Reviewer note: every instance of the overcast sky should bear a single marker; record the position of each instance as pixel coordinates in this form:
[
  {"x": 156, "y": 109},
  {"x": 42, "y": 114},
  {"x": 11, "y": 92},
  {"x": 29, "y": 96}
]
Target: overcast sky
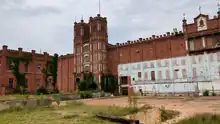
[{"x": 47, "y": 25}]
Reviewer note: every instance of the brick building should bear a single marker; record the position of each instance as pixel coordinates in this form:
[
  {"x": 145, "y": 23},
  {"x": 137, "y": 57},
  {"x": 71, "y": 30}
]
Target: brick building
[
  {"x": 32, "y": 68},
  {"x": 93, "y": 53},
  {"x": 148, "y": 59}
]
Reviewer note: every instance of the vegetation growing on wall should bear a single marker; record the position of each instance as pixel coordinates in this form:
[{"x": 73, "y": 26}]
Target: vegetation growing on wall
[
  {"x": 54, "y": 69},
  {"x": 14, "y": 63},
  {"x": 109, "y": 83},
  {"x": 88, "y": 83},
  {"x": 51, "y": 70},
  {"x": 46, "y": 74}
]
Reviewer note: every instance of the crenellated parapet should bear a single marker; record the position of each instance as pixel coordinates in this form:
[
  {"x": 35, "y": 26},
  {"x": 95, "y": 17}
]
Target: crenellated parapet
[
  {"x": 149, "y": 39},
  {"x": 20, "y": 52},
  {"x": 67, "y": 56},
  {"x": 98, "y": 17}
]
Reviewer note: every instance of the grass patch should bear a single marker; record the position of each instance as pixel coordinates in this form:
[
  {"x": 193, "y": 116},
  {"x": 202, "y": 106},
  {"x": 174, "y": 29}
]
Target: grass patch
[
  {"x": 202, "y": 119},
  {"x": 167, "y": 114},
  {"x": 75, "y": 112},
  {"x": 20, "y": 97}
]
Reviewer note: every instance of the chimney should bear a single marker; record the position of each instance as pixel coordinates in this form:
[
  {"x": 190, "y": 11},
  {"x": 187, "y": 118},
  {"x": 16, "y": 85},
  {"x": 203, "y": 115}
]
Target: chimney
[
  {"x": 33, "y": 52},
  {"x": 20, "y": 49},
  {"x": 5, "y": 47}
]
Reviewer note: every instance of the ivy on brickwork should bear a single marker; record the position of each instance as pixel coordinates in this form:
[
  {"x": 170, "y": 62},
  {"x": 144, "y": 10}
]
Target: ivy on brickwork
[
  {"x": 54, "y": 63},
  {"x": 109, "y": 83},
  {"x": 47, "y": 73},
  {"x": 51, "y": 70},
  {"x": 14, "y": 63}
]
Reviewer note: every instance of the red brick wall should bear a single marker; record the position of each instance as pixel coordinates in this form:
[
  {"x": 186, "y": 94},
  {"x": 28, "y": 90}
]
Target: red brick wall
[
  {"x": 65, "y": 79},
  {"x": 160, "y": 48},
  {"x": 212, "y": 23},
  {"x": 32, "y": 74}
]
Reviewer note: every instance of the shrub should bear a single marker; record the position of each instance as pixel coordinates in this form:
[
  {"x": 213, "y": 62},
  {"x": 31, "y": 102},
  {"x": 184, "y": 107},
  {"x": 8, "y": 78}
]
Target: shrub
[
  {"x": 213, "y": 94},
  {"x": 82, "y": 86},
  {"x": 56, "y": 91},
  {"x": 42, "y": 90},
  {"x": 85, "y": 94},
  {"x": 206, "y": 93}
]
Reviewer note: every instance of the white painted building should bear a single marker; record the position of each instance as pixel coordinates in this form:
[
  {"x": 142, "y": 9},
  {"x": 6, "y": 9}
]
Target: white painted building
[{"x": 182, "y": 74}]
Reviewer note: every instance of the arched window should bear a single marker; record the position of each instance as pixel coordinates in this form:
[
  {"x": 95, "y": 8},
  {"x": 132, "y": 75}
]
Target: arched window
[
  {"x": 86, "y": 68},
  {"x": 99, "y": 26},
  {"x": 81, "y": 31},
  {"x": 201, "y": 23},
  {"x": 86, "y": 58}
]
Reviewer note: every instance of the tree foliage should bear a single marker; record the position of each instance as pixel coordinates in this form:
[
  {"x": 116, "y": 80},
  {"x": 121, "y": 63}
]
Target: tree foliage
[
  {"x": 109, "y": 83},
  {"x": 88, "y": 83}
]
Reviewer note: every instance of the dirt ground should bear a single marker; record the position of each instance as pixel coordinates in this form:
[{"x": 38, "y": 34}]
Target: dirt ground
[{"x": 187, "y": 106}]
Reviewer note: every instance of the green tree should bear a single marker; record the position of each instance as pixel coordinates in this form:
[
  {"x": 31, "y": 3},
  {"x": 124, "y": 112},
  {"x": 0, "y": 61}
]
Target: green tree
[
  {"x": 109, "y": 83},
  {"x": 88, "y": 83}
]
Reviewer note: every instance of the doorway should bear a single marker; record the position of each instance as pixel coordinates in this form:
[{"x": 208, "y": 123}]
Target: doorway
[
  {"x": 10, "y": 83},
  {"x": 124, "y": 80},
  {"x": 77, "y": 80}
]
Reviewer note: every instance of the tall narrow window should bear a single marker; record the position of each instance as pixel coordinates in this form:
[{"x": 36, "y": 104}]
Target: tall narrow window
[
  {"x": 26, "y": 83},
  {"x": 152, "y": 65},
  {"x": 159, "y": 63},
  {"x": 104, "y": 67},
  {"x": 183, "y": 62},
  {"x": 10, "y": 83},
  {"x": 166, "y": 63},
  {"x": 211, "y": 58},
  {"x": 26, "y": 67},
  {"x": 152, "y": 75},
  {"x": 81, "y": 31},
  {"x": 86, "y": 58},
  {"x": 145, "y": 76},
  {"x": 175, "y": 74},
  {"x": 95, "y": 45},
  {"x": 194, "y": 59},
  {"x": 191, "y": 45},
  {"x": 139, "y": 74},
  {"x": 78, "y": 50},
  {"x": 184, "y": 74},
  {"x": 167, "y": 74},
  {"x": 98, "y": 26},
  {"x": 39, "y": 68},
  {"x": 11, "y": 65},
  {"x": 86, "y": 68},
  {"x": 86, "y": 48},
  {"x": 160, "y": 75},
  {"x": 194, "y": 73},
  {"x": 175, "y": 63}
]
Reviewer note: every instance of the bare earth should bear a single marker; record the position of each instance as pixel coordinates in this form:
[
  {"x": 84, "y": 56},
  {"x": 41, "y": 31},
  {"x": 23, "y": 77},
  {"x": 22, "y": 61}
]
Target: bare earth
[{"x": 187, "y": 106}]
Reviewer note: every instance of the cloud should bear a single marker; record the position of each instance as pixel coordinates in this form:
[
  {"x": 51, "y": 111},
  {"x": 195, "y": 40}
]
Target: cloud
[{"x": 47, "y": 25}]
